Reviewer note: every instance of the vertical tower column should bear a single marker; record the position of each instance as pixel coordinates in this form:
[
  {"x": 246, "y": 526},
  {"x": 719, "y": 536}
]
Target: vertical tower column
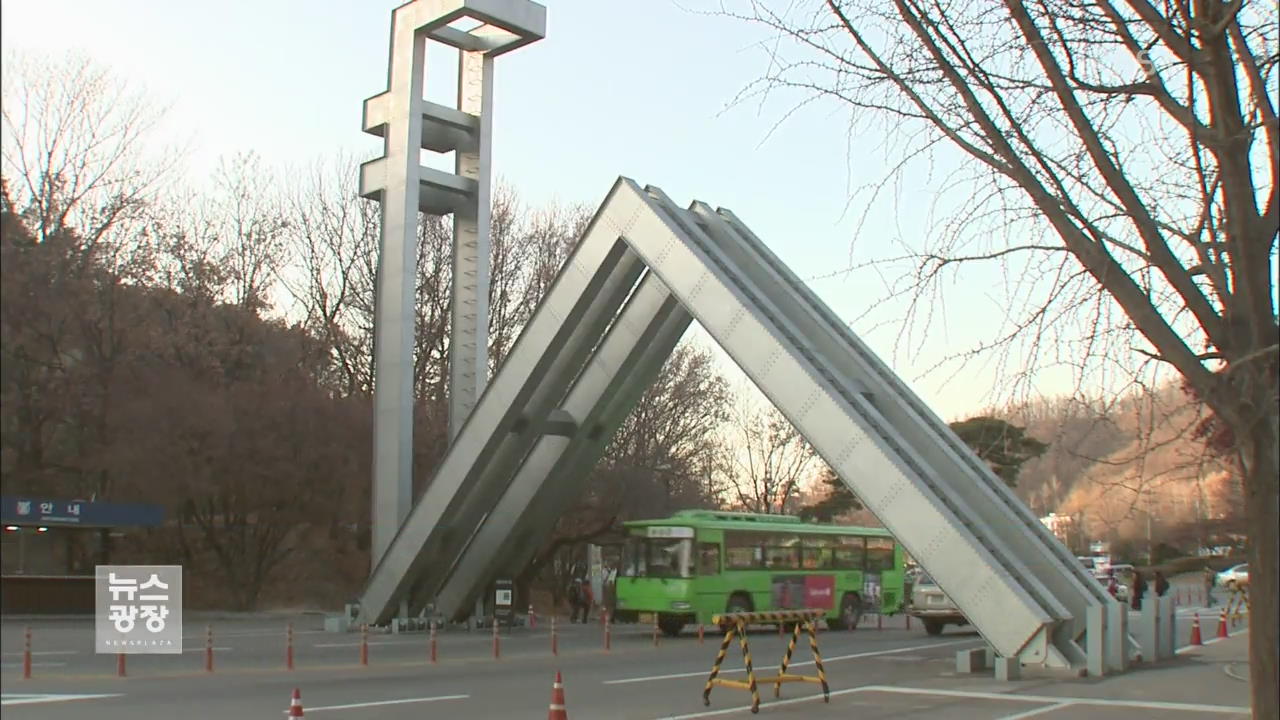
[
  {"x": 408, "y": 124},
  {"x": 395, "y": 296},
  {"x": 469, "y": 338}
]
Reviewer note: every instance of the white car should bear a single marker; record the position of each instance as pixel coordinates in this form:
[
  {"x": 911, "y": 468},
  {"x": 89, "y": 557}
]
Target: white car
[
  {"x": 1122, "y": 590},
  {"x": 932, "y": 606},
  {"x": 1234, "y": 577}
]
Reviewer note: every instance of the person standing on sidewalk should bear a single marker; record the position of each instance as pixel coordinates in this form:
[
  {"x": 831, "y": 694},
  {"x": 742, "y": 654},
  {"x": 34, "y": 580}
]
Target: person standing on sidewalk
[
  {"x": 574, "y": 596},
  {"x": 1162, "y": 585},
  {"x": 588, "y": 599},
  {"x": 1139, "y": 589}
]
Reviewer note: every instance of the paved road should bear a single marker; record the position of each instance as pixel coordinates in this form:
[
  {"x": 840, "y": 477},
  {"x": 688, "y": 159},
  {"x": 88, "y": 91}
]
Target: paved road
[{"x": 892, "y": 672}]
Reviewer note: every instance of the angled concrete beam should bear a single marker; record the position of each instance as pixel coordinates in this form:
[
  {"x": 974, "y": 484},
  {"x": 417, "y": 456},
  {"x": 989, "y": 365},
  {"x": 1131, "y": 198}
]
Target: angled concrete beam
[
  {"x": 624, "y": 365},
  {"x": 582, "y": 300}
]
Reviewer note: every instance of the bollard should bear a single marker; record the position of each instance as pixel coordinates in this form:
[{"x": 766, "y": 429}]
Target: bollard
[
  {"x": 555, "y": 649},
  {"x": 364, "y": 644},
  {"x": 288, "y": 647},
  {"x": 655, "y": 629},
  {"x": 699, "y": 633},
  {"x": 26, "y": 653},
  {"x": 908, "y": 622},
  {"x": 879, "y": 621},
  {"x": 433, "y": 642},
  {"x": 533, "y": 619},
  {"x": 120, "y": 670},
  {"x": 608, "y": 631},
  {"x": 208, "y": 648},
  {"x": 497, "y": 653}
]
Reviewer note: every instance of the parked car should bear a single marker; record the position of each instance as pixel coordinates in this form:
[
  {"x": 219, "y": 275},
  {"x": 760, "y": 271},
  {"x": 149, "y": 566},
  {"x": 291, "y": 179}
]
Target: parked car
[
  {"x": 1124, "y": 572},
  {"x": 933, "y": 607},
  {"x": 1122, "y": 590},
  {"x": 1234, "y": 577}
]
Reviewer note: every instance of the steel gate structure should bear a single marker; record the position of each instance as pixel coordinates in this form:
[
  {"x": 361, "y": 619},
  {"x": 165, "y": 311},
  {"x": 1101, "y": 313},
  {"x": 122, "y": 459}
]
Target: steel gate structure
[{"x": 642, "y": 272}]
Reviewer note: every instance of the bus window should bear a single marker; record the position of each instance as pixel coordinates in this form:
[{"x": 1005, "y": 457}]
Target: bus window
[
  {"x": 708, "y": 559},
  {"x": 658, "y": 557},
  {"x": 668, "y": 557},
  {"x": 815, "y": 552},
  {"x": 879, "y": 554},
  {"x": 850, "y": 552},
  {"x": 783, "y": 558},
  {"x": 743, "y": 550}
]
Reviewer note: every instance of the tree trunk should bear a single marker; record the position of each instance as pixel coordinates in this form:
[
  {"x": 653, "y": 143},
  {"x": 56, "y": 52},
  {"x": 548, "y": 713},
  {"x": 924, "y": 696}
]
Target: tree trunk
[{"x": 1263, "y": 505}]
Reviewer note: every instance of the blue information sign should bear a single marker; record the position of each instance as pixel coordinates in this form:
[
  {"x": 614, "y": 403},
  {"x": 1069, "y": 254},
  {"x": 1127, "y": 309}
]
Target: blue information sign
[{"x": 48, "y": 511}]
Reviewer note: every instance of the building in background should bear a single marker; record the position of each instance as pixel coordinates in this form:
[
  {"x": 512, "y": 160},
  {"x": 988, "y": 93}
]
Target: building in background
[{"x": 51, "y": 546}]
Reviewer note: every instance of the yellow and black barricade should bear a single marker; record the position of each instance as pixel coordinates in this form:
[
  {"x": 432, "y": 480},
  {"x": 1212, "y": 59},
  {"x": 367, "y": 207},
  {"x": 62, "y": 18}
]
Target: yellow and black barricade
[
  {"x": 1239, "y": 602},
  {"x": 737, "y": 624}
]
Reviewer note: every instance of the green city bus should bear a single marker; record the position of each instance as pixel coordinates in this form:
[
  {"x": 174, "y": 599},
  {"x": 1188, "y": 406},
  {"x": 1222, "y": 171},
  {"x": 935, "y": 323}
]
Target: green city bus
[{"x": 696, "y": 563}]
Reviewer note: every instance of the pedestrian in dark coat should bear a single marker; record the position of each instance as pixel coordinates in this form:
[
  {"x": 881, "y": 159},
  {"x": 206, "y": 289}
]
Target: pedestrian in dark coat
[
  {"x": 1139, "y": 589},
  {"x": 1162, "y": 585}
]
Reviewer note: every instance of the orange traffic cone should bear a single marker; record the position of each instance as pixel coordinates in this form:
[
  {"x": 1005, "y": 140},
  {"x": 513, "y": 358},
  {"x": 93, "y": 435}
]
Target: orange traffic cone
[
  {"x": 1195, "y": 630},
  {"x": 295, "y": 705},
  {"x": 557, "y": 711},
  {"x": 1222, "y": 625}
]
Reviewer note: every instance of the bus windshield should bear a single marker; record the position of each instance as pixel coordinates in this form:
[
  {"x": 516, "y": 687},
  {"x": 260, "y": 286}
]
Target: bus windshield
[{"x": 658, "y": 558}]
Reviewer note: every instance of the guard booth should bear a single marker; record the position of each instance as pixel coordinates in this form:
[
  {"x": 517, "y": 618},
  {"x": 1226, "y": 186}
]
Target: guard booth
[
  {"x": 50, "y": 546},
  {"x": 504, "y": 602}
]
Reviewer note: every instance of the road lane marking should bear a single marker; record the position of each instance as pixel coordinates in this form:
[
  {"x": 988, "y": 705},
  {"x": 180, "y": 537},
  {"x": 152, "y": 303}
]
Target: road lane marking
[
  {"x": 378, "y": 703},
  {"x": 1038, "y": 711},
  {"x": 266, "y": 632},
  {"x": 37, "y": 699},
  {"x": 875, "y": 653},
  {"x": 1102, "y": 702},
  {"x": 37, "y": 653},
  {"x": 10, "y": 666},
  {"x": 357, "y": 644}
]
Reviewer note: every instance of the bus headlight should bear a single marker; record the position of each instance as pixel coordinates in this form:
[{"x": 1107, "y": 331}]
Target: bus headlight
[{"x": 681, "y": 605}]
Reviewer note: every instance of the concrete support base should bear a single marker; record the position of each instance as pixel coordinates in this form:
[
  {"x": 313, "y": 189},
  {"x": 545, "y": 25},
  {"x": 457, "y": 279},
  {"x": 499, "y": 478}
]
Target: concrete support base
[
  {"x": 971, "y": 661},
  {"x": 1008, "y": 669}
]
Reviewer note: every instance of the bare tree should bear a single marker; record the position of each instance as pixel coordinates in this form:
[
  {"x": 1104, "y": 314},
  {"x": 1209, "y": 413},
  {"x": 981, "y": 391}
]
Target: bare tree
[
  {"x": 78, "y": 174},
  {"x": 1123, "y": 154},
  {"x": 249, "y": 223},
  {"x": 765, "y": 458},
  {"x": 658, "y": 461},
  {"x": 75, "y": 147},
  {"x": 333, "y": 240}
]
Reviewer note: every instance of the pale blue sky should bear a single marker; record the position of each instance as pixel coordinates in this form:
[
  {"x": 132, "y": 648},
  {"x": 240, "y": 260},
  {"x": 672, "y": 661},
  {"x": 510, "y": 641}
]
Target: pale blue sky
[{"x": 634, "y": 88}]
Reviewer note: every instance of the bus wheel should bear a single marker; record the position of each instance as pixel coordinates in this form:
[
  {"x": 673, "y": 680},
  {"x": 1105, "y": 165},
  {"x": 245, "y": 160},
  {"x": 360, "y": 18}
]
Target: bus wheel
[
  {"x": 850, "y": 613},
  {"x": 933, "y": 626},
  {"x": 670, "y": 625}
]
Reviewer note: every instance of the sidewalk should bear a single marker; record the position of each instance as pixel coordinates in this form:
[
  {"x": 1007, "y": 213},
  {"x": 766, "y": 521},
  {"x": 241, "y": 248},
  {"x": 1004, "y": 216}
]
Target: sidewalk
[{"x": 1200, "y": 682}]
